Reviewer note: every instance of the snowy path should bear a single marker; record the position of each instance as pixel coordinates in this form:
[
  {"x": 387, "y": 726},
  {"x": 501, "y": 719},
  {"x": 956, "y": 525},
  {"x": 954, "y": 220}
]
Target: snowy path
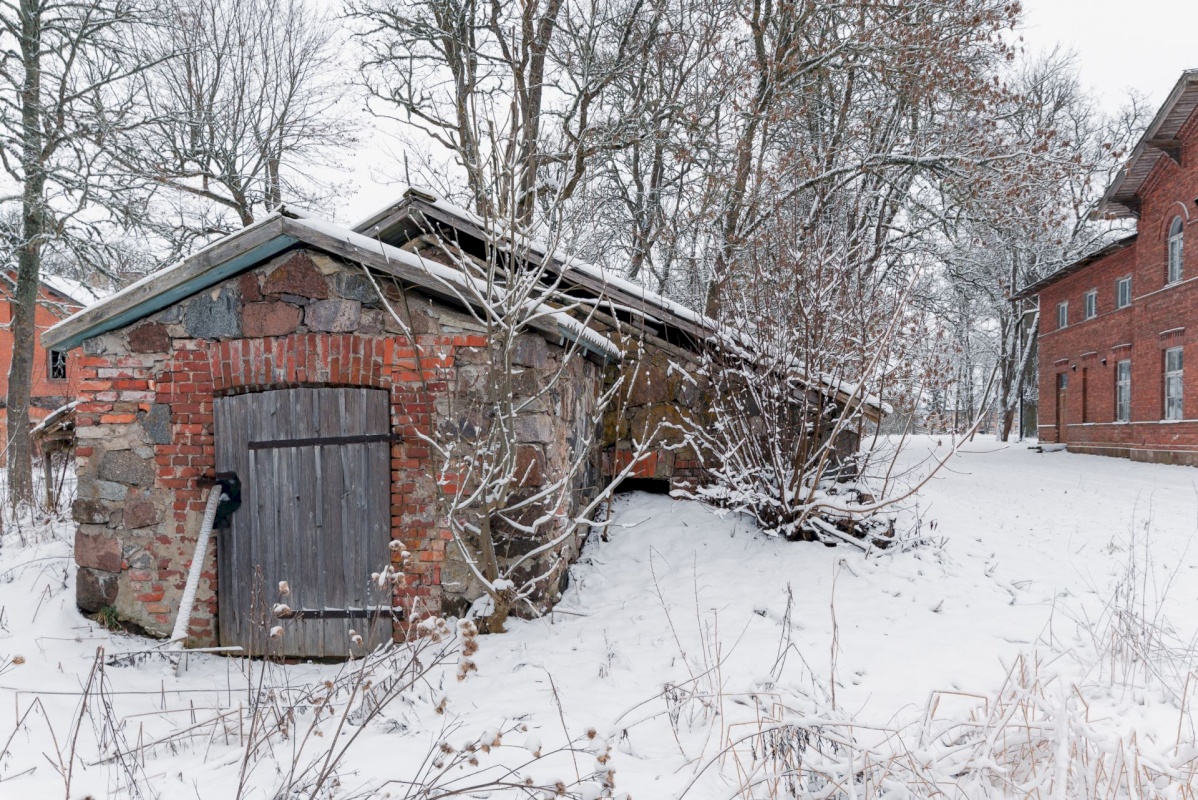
[{"x": 1030, "y": 541}]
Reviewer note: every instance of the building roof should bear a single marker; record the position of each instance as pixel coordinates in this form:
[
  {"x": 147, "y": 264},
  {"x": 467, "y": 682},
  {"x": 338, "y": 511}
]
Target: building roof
[
  {"x": 267, "y": 238},
  {"x": 1159, "y": 141},
  {"x": 1069, "y": 269},
  {"x": 376, "y": 243},
  {"x": 64, "y": 292},
  {"x": 420, "y": 211}
]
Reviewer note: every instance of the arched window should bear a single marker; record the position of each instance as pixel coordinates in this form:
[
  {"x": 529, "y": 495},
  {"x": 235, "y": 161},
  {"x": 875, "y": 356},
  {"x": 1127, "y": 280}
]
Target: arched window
[{"x": 1175, "y": 250}]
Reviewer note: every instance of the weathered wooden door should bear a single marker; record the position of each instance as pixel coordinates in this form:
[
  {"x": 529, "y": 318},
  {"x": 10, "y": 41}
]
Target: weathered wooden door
[{"x": 315, "y": 471}]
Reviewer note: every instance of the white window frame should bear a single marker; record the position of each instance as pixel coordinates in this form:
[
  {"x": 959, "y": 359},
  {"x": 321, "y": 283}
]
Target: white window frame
[
  {"x": 1062, "y": 314},
  {"x": 1174, "y": 383},
  {"x": 1123, "y": 390},
  {"x": 1176, "y": 250},
  {"x": 1091, "y": 305},
  {"x": 1123, "y": 292}
]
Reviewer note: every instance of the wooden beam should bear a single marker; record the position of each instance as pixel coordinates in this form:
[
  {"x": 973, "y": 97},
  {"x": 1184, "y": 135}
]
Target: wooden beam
[
  {"x": 211, "y": 265},
  {"x": 1170, "y": 147}
]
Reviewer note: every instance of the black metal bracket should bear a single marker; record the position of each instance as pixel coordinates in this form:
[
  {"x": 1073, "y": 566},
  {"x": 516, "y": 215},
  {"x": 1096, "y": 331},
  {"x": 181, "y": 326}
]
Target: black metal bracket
[
  {"x": 230, "y": 487},
  {"x": 373, "y": 612},
  {"x": 320, "y": 441}
]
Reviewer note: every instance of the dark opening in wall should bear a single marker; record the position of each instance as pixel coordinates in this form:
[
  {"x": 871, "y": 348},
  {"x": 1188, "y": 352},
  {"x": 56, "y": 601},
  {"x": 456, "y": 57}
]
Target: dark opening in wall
[{"x": 650, "y": 485}]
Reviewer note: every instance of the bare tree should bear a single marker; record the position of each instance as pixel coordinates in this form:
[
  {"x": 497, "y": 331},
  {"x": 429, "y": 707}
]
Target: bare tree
[
  {"x": 518, "y": 445},
  {"x": 66, "y": 87},
  {"x": 240, "y": 114},
  {"x": 1025, "y": 217},
  {"x": 503, "y": 88}
]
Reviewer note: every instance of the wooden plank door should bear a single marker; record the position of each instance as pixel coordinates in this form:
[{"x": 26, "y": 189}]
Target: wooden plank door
[{"x": 315, "y": 472}]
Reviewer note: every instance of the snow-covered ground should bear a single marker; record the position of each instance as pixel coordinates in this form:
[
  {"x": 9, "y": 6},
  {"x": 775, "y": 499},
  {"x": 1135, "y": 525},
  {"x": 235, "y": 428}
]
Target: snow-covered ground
[{"x": 705, "y": 656}]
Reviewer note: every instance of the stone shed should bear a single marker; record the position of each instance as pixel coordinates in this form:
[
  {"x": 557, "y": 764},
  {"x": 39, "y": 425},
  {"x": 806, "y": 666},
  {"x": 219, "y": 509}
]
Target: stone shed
[{"x": 271, "y": 356}]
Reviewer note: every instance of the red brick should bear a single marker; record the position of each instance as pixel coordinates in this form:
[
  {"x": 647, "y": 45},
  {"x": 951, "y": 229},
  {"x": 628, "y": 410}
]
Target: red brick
[{"x": 1080, "y": 349}]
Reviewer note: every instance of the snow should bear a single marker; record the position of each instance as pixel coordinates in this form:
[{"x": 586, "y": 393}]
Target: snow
[
  {"x": 75, "y": 290},
  {"x": 460, "y": 284},
  {"x": 671, "y": 638}
]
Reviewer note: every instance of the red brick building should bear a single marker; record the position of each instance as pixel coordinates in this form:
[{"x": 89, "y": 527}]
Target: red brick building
[
  {"x": 55, "y": 377},
  {"x": 1118, "y": 328}
]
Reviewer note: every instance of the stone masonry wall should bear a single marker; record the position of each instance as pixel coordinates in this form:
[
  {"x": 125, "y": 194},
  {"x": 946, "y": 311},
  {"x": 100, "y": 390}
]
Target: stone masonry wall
[
  {"x": 553, "y": 428},
  {"x": 665, "y": 399},
  {"x": 145, "y": 455}
]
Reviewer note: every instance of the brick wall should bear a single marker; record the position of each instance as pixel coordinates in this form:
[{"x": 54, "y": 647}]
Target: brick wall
[
  {"x": 146, "y": 441},
  {"x": 47, "y": 394},
  {"x": 146, "y": 454},
  {"x": 1161, "y": 316}
]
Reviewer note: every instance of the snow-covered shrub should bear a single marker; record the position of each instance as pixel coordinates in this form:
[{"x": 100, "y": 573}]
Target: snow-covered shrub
[{"x": 809, "y": 337}]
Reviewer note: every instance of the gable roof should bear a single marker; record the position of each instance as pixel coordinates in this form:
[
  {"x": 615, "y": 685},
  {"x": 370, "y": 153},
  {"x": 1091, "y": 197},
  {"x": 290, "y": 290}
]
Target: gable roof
[
  {"x": 1064, "y": 272},
  {"x": 1159, "y": 141},
  {"x": 267, "y": 238},
  {"x": 421, "y": 212},
  {"x": 375, "y": 243}
]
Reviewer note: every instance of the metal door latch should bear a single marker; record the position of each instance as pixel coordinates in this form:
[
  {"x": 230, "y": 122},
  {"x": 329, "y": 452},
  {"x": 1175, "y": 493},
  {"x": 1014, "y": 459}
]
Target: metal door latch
[{"x": 230, "y": 486}]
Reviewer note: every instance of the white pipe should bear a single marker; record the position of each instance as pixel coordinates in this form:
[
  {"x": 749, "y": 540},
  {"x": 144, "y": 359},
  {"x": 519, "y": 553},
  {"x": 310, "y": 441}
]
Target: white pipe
[{"x": 179, "y": 635}]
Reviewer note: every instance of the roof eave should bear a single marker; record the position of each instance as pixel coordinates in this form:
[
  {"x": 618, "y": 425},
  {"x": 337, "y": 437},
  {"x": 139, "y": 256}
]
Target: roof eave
[
  {"x": 1033, "y": 289},
  {"x": 228, "y": 257},
  {"x": 1115, "y": 205}
]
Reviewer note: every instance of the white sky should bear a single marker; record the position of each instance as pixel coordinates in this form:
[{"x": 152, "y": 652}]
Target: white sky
[{"x": 1142, "y": 45}]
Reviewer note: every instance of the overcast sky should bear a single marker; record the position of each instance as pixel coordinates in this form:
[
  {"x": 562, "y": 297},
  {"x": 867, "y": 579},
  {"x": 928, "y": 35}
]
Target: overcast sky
[
  {"x": 1143, "y": 44},
  {"x": 1120, "y": 46}
]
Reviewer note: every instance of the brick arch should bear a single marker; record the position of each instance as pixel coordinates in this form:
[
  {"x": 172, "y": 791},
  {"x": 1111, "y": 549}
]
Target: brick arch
[
  {"x": 1170, "y": 213},
  {"x": 349, "y": 360},
  {"x": 311, "y": 359}
]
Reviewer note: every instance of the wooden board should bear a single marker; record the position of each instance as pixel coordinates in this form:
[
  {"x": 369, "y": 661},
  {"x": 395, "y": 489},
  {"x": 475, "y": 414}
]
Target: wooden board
[{"x": 315, "y": 514}]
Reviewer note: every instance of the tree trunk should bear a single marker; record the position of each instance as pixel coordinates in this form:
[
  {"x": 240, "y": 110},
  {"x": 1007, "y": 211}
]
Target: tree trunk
[{"x": 29, "y": 258}]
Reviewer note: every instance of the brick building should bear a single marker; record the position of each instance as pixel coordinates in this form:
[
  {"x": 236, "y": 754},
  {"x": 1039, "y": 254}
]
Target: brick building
[
  {"x": 272, "y": 354},
  {"x": 1117, "y": 328},
  {"x": 55, "y": 374}
]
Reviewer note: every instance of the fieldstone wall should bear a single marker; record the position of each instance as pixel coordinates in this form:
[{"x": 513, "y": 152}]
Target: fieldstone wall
[
  {"x": 145, "y": 454},
  {"x": 559, "y": 394},
  {"x": 146, "y": 457},
  {"x": 665, "y": 397}
]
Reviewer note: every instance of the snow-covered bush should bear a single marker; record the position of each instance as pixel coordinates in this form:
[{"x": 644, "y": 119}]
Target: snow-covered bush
[{"x": 809, "y": 339}]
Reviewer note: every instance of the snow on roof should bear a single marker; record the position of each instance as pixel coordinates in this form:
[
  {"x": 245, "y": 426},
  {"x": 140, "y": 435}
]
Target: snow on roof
[
  {"x": 75, "y": 290},
  {"x": 743, "y": 341},
  {"x": 459, "y": 283}
]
